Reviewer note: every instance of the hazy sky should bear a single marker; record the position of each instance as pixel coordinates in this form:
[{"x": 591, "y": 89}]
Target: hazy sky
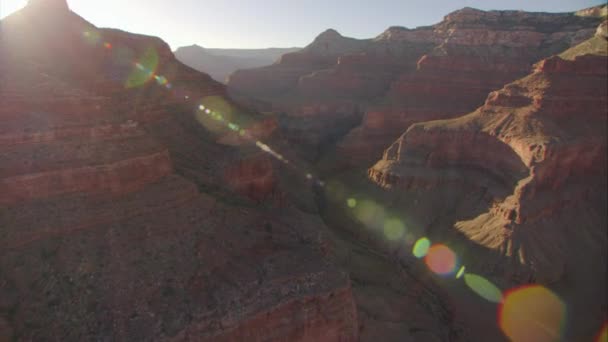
[{"x": 277, "y": 23}]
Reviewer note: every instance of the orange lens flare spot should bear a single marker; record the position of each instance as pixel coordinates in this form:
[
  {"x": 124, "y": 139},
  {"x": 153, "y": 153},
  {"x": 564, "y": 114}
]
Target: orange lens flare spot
[
  {"x": 603, "y": 334},
  {"x": 107, "y": 45},
  {"x": 532, "y": 313},
  {"x": 441, "y": 260}
]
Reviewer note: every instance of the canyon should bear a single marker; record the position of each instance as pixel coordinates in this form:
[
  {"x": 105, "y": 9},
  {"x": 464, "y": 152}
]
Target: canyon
[
  {"x": 536, "y": 152},
  {"x": 120, "y": 212},
  {"x": 378, "y": 87},
  {"x": 221, "y": 63},
  {"x": 143, "y": 200}
]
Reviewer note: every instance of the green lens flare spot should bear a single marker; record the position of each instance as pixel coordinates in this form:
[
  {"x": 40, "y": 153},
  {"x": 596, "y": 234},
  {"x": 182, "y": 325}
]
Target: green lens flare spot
[
  {"x": 144, "y": 69},
  {"x": 351, "y": 202},
  {"x": 421, "y": 248},
  {"x": 460, "y": 272},
  {"x": 394, "y": 229},
  {"x": 483, "y": 287}
]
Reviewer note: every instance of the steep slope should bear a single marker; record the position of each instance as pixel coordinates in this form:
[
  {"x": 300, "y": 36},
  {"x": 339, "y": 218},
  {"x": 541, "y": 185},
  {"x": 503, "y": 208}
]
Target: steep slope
[
  {"x": 479, "y": 52},
  {"x": 536, "y": 152},
  {"x": 321, "y": 53},
  {"x": 405, "y": 75},
  {"x": 221, "y": 63},
  {"x": 117, "y": 216},
  {"x": 324, "y": 88}
]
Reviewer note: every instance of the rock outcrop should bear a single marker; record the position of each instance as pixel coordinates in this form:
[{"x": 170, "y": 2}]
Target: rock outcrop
[
  {"x": 405, "y": 75},
  {"x": 536, "y": 150},
  {"x": 118, "y": 215},
  {"x": 477, "y": 52}
]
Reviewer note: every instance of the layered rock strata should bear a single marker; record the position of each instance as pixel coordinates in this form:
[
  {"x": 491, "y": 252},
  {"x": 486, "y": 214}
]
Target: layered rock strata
[
  {"x": 405, "y": 76},
  {"x": 117, "y": 220},
  {"x": 536, "y": 150}
]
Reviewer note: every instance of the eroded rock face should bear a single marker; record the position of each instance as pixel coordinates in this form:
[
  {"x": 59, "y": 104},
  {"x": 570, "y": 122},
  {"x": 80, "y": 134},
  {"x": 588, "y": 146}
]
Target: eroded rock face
[
  {"x": 405, "y": 75},
  {"x": 118, "y": 220},
  {"x": 478, "y": 52},
  {"x": 537, "y": 150}
]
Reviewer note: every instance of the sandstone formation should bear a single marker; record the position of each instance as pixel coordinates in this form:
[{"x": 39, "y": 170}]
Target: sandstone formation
[
  {"x": 221, "y": 63},
  {"x": 478, "y": 52},
  {"x": 407, "y": 75},
  {"x": 536, "y": 152},
  {"x": 117, "y": 212}
]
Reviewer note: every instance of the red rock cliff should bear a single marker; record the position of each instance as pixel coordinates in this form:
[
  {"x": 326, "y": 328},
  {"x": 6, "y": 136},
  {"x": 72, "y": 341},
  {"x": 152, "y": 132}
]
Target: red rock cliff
[
  {"x": 537, "y": 150},
  {"x": 105, "y": 231}
]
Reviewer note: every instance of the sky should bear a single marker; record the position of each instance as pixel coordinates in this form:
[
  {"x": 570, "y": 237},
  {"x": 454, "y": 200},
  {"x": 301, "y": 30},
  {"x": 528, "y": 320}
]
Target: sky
[{"x": 278, "y": 23}]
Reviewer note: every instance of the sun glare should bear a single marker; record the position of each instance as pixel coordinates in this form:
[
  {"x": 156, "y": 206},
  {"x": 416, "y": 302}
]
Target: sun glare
[{"x": 9, "y": 6}]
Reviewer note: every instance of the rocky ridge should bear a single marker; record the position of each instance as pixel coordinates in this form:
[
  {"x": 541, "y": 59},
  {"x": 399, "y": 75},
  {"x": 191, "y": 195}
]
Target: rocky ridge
[
  {"x": 115, "y": 219},
  {"x": 396, "y": 78},
  {"x": 536, "y": 151}
]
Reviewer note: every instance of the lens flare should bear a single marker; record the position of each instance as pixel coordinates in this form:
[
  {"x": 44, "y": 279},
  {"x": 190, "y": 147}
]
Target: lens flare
[
  {"x": 370, "y": 214},
  {"x": 532, "y": 314},
  {"x": 92, "y": 37},
  {"x": 421, "y": 248},
  {"x": 603, "y": 335},
  {"x": 460, "y": 272},
  {"x": 483, "y": 287},
  {"x": 161, "y": 80},
  {"x": 351, "y": 202},
  {"x": 394, "y": 229},
  {"x": 144, "y": 70},
  {"x": 441, "y": 260}
]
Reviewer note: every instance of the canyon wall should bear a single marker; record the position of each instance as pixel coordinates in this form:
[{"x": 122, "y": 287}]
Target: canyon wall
[
  {"x": 120, "y": 210},
  {"x": 536, "y": 150},
  {"x": 405, "y": 76}
]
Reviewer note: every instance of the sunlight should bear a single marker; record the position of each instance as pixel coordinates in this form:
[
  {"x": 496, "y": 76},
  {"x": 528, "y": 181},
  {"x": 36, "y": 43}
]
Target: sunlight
[{"x": 8, "y": 7}]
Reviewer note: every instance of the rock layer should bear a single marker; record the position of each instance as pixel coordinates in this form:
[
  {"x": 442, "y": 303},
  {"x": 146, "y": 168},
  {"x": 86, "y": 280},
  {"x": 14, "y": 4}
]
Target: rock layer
[
  {"x": 478, "y": 52},
  {"x": 118, "y": 222},
  {"x": 405, "y": 76},
  {"x": 537, "y": 149}
]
